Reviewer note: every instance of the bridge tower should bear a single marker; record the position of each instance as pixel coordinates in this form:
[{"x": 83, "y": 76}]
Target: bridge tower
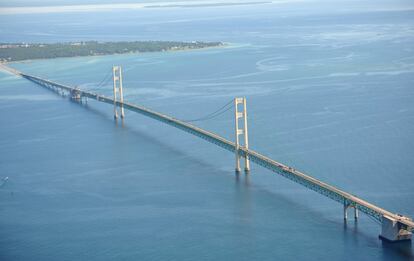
[
  {"x": 241, "y": 131},
  {"x": 117, "y": 78}
]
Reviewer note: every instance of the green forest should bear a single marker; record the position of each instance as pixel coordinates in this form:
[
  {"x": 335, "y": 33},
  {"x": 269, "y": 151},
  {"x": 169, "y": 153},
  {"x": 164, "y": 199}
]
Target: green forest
[{"x": 22, "y": 51}]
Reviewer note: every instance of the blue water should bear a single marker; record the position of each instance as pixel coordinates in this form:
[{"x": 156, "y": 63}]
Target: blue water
[{"x": 329, "y": 92}]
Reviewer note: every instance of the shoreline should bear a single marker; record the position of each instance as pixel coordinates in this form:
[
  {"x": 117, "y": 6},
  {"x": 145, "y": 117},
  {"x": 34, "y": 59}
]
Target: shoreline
[{"x": 223, "y": 45}]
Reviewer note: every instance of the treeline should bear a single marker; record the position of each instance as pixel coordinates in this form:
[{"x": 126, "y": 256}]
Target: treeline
[{"x": 19, "y": 51}]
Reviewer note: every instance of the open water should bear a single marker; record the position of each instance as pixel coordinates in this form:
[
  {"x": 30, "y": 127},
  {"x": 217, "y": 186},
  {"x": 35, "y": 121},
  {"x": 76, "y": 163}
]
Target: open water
[{"x": 329, "y": 90}]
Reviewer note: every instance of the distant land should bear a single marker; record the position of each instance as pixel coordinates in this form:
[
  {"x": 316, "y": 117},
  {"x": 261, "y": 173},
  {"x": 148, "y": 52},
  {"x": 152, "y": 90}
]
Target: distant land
[
  {"x": 10, "y": 52},
  {"x": 73, "y": 6}
]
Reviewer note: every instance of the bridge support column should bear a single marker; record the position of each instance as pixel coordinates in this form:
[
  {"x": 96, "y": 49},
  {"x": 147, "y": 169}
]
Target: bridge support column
[
  {"x": 394, "y": 231},
  {"x": 346, "y": 207},
  {"x": 346, "y": 212},
  {"x": 117, "y": 79},
  {"x": 241, "y": 131}
]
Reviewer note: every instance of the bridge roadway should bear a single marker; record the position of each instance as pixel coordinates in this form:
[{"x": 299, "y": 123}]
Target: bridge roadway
[{"x": 327, "y": 190}]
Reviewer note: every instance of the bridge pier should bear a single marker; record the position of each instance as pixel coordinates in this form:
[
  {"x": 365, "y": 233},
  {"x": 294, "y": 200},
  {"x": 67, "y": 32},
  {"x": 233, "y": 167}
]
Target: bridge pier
[
  {"x": 241, "y": 131},
  {"x": 346, "y": 207},
  {"x": 394, "y": 231},
  {"x": 75, "y": 95}
]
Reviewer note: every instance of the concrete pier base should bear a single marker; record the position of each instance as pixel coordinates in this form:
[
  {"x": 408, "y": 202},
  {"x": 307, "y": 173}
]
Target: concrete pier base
[{"x": 394, "y": 231}]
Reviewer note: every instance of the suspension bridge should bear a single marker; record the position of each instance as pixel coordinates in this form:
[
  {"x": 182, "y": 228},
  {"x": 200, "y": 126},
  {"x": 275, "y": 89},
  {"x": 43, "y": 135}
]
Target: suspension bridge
[{"x": 395, "y": 227}]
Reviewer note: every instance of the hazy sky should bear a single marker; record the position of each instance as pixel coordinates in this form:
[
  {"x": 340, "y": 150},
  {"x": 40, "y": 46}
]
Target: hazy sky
[
  {"x": 10, "y": 3},
  {"x": 60, "y": 6},
  {"x": 15, "y": 3}
]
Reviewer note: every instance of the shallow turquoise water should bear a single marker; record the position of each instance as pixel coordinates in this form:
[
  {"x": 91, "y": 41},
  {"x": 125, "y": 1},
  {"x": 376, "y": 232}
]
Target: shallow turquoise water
[{"x": 329, "y": 94}]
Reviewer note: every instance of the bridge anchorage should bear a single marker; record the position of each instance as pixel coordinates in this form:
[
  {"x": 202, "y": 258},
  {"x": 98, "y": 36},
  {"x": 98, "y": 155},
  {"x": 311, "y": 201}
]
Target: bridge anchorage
[
  {"x": 395, "y": 227},
  {"x": 393, "y": 230}
]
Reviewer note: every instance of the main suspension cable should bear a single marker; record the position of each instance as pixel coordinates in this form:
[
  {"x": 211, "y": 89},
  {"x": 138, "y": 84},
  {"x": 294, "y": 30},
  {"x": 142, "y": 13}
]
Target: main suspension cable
[
  {"x": 103, "y": 81},
  {"x": 226, "y": 107}
]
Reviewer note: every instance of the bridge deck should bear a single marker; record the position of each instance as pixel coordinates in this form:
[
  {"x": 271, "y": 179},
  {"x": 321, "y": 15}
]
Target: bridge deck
[{"x": 279, "y": 168}]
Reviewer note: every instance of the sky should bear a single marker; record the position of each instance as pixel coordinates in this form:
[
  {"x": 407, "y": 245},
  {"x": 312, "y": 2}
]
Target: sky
[
  {"x": 21, "y": 3},
  {"x": 13, "y": 7},
  {"x": 26, "y": 3}
]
